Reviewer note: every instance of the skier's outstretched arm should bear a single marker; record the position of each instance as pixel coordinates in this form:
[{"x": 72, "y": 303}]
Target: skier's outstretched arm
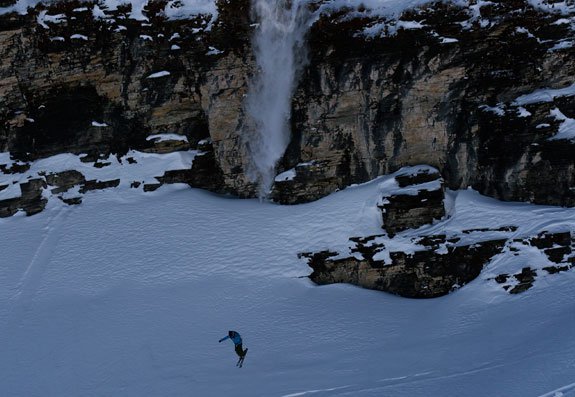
[{"x": 224, "y": 338}]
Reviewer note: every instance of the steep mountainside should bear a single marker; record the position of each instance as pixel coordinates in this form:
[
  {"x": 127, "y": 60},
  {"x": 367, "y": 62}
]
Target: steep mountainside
[{"x": 442, "y": 84}]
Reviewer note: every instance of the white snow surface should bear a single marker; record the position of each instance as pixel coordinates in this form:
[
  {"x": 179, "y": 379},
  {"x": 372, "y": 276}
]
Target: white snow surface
[
  {"x": 167, "y": 137},
  {"x": 99, "y": 124},
  {"x": 177, "y": 9},
  {"x": 563, "y": 44},
  {"x": 522, "y": 112},
  {"x": 567, "y": 127},
  {"x": 128, "y": 294},
  {"x": 44, "y": 17},
  {"x": 79, "y": 37},
  {"x": 157, "y": 75},
  {"x": 498, "y": 110},
  {"x": 544, "y": 95},
  {"x": 286, "y": 175}
]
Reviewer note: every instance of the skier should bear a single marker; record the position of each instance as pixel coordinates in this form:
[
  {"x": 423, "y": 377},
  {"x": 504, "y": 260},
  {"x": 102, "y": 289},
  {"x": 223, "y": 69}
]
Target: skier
[{"x": 237, "y": 339}]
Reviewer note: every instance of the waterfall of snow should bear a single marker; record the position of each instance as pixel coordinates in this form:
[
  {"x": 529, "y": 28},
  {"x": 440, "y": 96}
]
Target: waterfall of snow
[{"x": 280, "y": 54}]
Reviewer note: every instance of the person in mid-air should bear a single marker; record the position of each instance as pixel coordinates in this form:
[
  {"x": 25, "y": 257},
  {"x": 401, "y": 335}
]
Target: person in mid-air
[{"x": 237, "y": 339}]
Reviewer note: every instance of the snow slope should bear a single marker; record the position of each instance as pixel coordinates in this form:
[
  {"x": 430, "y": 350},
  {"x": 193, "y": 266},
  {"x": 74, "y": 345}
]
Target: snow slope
[{"x": 128, "y": 294}]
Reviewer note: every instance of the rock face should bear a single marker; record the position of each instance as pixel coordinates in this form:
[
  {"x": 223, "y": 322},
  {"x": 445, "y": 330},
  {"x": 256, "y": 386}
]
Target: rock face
[
  {"x": 421, "y": 204},
  {"x": 430, "y": 265},
  {"x": 64, "y": 181},
  {"x": 425, "y": 274},
  {"x": 443, "y": 96},
  {"x": 31, "y": 200},
  {"x": 446, "y": 94},
  {"x": 557, "y": 247},
  {"x": 98, "y": 86},
  {"x": 439, "y": 265}
]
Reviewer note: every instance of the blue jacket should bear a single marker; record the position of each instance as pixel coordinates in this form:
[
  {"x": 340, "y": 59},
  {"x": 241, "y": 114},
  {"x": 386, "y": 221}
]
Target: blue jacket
[{"x": 236, "y": 338}]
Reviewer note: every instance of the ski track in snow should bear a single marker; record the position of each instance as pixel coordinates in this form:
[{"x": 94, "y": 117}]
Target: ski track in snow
[
  {"x": 42, "y": 255},
  {"x": 423, "y": 377},
  {"x": 128, "y": 294},
  {"x": 322, "y": 391},
  {"x": 560, "y": 392},
  {"x": 30, "y": 280}
]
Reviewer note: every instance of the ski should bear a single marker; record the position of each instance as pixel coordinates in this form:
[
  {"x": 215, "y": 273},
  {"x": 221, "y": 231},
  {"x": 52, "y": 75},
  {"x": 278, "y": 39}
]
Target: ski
[{"x": 240, "y": 362}]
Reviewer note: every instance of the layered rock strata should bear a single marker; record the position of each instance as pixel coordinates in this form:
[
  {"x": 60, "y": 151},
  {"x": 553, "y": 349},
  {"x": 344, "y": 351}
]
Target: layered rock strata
[
  {"x": 442, "y": 85},
  {"x": 417, "y": 202},
  {"x": 73, "y": 83},
  {"x": 440, "y": 265},
  {"x": 444, "y": 94},
  {"x": 424, "y": 274}
]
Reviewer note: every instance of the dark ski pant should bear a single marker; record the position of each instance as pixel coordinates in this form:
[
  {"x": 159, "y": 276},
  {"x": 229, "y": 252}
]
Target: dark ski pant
[{"x": 239, "y": 350}]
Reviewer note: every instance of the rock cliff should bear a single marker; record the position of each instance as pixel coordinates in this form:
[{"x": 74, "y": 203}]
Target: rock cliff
[
  {"x": 440, "y": 85},
  {"x": 444, "y": 90},
  {"x": 74, "y": 83}
]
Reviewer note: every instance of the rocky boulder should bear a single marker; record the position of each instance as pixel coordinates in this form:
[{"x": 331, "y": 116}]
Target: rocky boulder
[
  {"x": 31, "y": 201},
  {"x": 418, "y": 201}
]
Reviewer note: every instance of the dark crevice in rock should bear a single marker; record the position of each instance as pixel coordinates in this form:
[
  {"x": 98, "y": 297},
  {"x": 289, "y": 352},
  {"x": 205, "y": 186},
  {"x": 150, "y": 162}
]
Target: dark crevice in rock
[
  {"x": 71, "y": 201},
  {"x": 557, "y": 269},
  {"x": 486, "y": 229}
]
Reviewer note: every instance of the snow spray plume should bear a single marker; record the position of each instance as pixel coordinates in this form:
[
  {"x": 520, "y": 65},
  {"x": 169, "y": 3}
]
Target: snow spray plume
[{"x": 280, "y": 55}]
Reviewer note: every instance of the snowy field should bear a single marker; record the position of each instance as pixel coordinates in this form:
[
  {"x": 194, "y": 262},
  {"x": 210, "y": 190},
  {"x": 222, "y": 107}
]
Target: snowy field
[{"x": 128, "y": 294}]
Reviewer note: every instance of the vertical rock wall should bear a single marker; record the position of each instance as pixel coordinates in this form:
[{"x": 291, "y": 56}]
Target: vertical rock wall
[{"x": 442, "y": 94}]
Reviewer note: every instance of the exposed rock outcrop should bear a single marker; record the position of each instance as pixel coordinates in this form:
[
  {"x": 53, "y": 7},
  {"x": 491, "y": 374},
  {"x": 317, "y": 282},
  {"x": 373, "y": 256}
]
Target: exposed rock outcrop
[
  {"x": 444, "y": 95},
  {"x": 419, "y": 201},
  {"x": 439, "y": 265},
  {"x": 424, "y": 274},
  {"x": 557, "y": 247},
  {"x": 64, "y": 181},
  {"x": 31, "y": 200}
]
